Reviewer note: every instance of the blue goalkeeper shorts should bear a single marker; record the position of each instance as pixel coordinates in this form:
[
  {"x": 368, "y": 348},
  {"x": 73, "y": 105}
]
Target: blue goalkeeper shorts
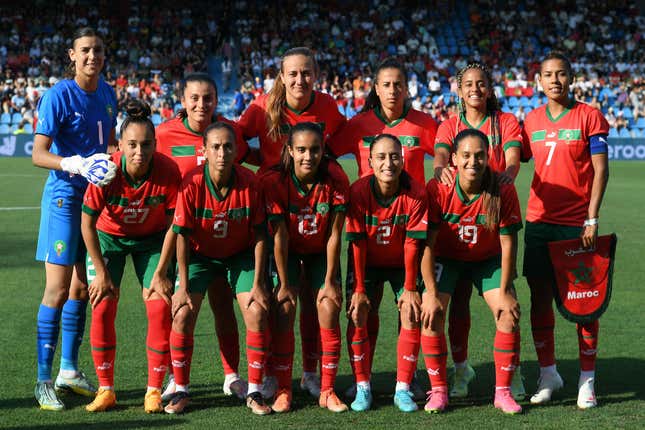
[{"x": 59, "y": 237}]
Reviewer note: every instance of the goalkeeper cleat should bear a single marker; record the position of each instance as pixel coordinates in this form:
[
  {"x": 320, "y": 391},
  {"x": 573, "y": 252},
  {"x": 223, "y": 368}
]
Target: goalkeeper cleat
[
  {"x": 463, "y": 376},
  {"x": 547, "y": 384},
  {"x": 105, "y": 399},
  {"x": 78, "y": 384},
  {"x": 47, "y": 397}
]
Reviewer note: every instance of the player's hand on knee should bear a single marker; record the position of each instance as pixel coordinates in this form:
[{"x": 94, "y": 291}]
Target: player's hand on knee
[
  {"x": 259, "y": 296},
  {"x": 161, "y": 285},
  {"x": 100, "y": 288},
  {"x": 331, "y": 291},
  {"x": 410, "y": 301},
  {"x": 432, "y": 312},
  {"x": 359, "y": 307},
  {"x": 180, "y": 299}
]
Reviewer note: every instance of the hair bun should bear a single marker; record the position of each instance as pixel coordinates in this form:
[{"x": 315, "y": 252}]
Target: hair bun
[{"x": 136, "y": 109}]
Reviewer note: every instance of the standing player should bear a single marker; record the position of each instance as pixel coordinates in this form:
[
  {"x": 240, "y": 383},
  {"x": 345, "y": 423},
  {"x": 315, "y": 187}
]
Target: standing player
[
  {"x": 387, "y": 110},
  {"x": 221, "y": 244},
  {"x": 386, "y": 221},
  {"x": 306, "y": 199},
  {"x": 269, "y": 118},
  {"x": 129, "y": 216},
  {"x": 568, "y": 141},
  {"x": 76, "y": 120},
  {"x": 473, "y": 230},
  {"x": 182, "y": 139},
  {"x": 478, "y": 109}
]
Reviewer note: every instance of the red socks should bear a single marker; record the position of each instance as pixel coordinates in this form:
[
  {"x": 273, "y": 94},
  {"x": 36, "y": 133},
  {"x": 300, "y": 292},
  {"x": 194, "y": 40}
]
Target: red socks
[
  {"x": 229, "y": 351},
  {"x": 542, "y": 327},
  {"x": 359, "y": 352},
  {"x": 330, "y": 356},
  {"x": 407, "y": 352},
  {"x": 458, "y": 330},
  {"x": 587, "y": 344},
  {"x": 282, "y": 358},
  {"x": 310, "y": 341},
  {"x": 435, "y": 354},
  {"x": 181, "y": 352},
  {"x": 256, "y": 349},
  {"x": 103, "y": 341},
  {"x": 506, "y": 357},
  {"x": 373, "y": 325},
  {"x": 157, "y": 344}
]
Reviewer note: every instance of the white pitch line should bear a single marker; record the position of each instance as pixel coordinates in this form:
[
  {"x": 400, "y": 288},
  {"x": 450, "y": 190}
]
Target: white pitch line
[
  {"x": 20, "y": 208},
  {"x": 20, "y": 175}
]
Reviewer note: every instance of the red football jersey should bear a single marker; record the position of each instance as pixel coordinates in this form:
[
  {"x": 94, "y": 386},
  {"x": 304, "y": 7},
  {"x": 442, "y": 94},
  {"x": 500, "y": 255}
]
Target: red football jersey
[
  {"x": 462, "y": 224},
  {"x": 509, "y": 129},
  {"x": 176, "y": 139},
  {"x": 416, "y": 131},
  {"x": 386, "y": 224},
  {"x": 219, "y": 226},
  {"x": 561, "y": 187},
  {"x": 307, "y": 213},
  {"x": 128, "y": 209},
  {"x": 322, "y": 110}
]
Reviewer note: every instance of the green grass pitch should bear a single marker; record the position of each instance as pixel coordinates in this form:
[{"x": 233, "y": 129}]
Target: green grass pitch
[{"x": 620, "y": 370}]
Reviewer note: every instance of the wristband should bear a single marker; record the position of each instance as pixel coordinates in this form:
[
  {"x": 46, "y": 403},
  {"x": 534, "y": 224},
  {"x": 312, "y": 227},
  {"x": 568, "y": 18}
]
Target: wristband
[{"x": 590, "y": 222}]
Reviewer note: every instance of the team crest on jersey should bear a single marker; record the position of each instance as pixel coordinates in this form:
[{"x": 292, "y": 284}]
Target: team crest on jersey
[
  {"x": 59, "y": 203},
  {"x": 153, "y": 201},
  {"x": 60, "y": 246},
  {"x": 322, "y": 208},
  {"x": 236, "y": 214},
  {"x": 110, "y": 110}
]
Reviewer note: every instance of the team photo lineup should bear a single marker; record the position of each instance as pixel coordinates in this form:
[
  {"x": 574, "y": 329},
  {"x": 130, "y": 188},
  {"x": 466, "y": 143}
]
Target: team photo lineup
[{"x": 257, "y": 210}]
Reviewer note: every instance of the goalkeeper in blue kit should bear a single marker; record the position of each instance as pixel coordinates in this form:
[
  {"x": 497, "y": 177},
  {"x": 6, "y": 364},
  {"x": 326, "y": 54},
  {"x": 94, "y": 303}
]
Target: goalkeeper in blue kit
[{"x": 76, "y": 121}]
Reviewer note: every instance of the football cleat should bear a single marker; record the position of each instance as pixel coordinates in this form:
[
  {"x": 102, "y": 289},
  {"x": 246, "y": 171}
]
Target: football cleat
[
  {"x": 310, "y": 383},
  {"x": 255, "y": 402},
  {"x": 234, "y": 385},
  {"x": 178, "y": 404},
  {"x": 269, "y": 387},
  {"x": 547, "y": 384},
  {"x": 505, "y": 402},
  {"x": 170, "y": 389},
  {"x": 79, "y": 384},
  {"x": 152, "y": 402},
  {"x": 586, "y": 394},
  {"x": 437, "y": 400},
  {"x": 329, "y": 400},
  {"x": 47, "y": 397},
  {"x": 403, "y": 399},
  {"x": 363, "y": 400},
  {"x": 104, "y": 400},
  {"x": 463, "y": 377},
  {"x": 282, "y": 401}
]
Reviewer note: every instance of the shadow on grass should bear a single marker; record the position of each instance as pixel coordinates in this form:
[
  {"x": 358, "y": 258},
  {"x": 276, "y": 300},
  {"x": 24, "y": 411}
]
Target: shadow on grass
[{"x": 156, "y": 423}]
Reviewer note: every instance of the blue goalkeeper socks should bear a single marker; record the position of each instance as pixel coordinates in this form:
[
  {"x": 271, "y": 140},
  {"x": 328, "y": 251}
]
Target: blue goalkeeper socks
[
  {"x": 73, "y": 324},
  {"x": 47, "y": 336}
]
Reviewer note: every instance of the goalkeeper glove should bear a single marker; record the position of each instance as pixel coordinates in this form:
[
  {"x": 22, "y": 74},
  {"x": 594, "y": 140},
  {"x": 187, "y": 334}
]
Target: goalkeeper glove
[{"x": 97, "y": 169}]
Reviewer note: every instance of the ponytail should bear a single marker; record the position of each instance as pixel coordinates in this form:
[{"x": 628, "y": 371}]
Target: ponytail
[
  {"x": 277, "y": 97},
  {"x": 372, "y": 101}
]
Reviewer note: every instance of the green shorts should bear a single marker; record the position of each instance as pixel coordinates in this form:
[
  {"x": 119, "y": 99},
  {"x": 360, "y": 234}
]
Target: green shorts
[
  {"x": 145, "y": 256},
  {"x": 238, "y": 269},
  {"x": 315, "y": 266},
  {"x": 375, "y": 279},
  {"x": 537, "y": 263},
  {"x": 486, "y": 274}
]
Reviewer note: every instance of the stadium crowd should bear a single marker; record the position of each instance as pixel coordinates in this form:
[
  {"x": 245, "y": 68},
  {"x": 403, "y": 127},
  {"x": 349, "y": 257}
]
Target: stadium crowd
[{"x": 153, "y": 47}]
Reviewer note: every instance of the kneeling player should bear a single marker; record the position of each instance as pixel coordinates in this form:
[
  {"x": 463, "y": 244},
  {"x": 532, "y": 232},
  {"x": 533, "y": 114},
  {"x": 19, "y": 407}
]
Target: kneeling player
[
  {"x": 129, "y": 216},
  {"x": 385, "y": 224},
  {"x": 305, "y": 197},
  {"x": 221, "y": 235},
  {"x": 473, "y": 232}
]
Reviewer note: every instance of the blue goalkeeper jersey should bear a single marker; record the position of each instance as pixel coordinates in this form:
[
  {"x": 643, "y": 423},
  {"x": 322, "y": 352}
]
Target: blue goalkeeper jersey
[{"x": 79, "y": 123}]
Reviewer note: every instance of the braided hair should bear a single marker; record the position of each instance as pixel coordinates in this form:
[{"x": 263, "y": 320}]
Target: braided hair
[{"x": 492, "y": 104}]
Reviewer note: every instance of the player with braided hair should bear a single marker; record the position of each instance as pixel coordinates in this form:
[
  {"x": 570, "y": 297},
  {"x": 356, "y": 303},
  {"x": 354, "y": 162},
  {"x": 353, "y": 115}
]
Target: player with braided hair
[{"x": 478, "y": 109}]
